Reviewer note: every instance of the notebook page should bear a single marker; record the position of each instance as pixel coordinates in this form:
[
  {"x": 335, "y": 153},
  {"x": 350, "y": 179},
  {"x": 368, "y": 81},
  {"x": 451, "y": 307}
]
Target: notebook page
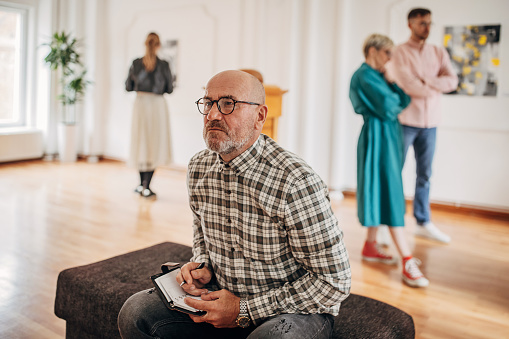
[{"x": 173, "y": 292}]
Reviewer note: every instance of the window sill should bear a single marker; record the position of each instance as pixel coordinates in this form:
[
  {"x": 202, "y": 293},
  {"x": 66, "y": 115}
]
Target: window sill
[{"x": 18, "y": 130}]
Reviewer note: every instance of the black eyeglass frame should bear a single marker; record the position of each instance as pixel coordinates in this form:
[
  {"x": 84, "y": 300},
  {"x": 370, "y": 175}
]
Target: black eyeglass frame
[{"x": 219, "y": 107}]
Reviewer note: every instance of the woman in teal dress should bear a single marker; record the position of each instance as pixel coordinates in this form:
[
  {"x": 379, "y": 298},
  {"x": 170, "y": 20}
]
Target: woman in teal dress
[{"x": 380, "y": 199}]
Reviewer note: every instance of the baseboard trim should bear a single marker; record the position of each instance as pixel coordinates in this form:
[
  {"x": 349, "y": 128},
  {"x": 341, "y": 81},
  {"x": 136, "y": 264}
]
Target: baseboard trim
[{"x": 493, "y": 213}]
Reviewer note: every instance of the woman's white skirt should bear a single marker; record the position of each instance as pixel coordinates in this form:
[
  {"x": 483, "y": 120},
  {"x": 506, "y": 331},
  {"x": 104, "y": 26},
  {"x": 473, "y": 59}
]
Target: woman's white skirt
[{"x": 150, "y": 133}]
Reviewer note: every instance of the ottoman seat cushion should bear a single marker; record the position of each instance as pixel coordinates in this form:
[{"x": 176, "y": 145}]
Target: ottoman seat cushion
[{"x": 90, "y": 297}]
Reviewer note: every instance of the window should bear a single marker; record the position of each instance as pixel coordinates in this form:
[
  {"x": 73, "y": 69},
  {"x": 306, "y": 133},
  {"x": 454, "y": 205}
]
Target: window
[{"x": 13, "y": 22}]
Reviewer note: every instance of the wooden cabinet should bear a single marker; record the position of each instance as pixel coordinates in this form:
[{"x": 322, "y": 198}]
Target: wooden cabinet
[{"x": 274, "y": 102}]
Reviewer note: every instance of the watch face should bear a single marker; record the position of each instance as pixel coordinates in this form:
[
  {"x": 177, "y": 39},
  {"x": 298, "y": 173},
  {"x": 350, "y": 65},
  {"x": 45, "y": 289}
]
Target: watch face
[{"x": 243, "y": 322}]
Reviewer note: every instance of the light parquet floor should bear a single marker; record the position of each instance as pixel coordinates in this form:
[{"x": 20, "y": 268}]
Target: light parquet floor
[{"x": 55, "y": 216}]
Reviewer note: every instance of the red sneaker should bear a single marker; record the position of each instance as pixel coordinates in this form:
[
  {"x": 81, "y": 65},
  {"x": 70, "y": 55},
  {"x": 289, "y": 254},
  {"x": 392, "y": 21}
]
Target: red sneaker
[
  {"x": 373, "y": 252},
  {"x": 412, "y": 275}
]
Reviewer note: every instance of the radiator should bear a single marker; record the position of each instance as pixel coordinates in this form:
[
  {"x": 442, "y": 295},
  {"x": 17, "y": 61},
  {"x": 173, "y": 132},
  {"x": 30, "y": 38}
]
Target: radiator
[{"x": 20, "y": 144}]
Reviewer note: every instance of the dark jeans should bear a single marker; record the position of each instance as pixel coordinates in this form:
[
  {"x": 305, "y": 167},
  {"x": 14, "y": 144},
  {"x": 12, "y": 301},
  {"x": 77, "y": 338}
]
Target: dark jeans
[
  {"x": 145, "y": 316},
  {"x": 423, "y": 141}
]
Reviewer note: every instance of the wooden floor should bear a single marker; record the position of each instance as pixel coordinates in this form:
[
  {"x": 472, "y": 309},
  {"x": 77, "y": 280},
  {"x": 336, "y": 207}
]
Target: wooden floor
[{"x": 55, "y": 216}]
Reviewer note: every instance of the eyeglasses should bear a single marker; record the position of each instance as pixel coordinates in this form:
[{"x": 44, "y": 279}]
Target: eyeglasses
[
  {"x": 225, "y": 105},
  {"x": 424, "y": 23}
]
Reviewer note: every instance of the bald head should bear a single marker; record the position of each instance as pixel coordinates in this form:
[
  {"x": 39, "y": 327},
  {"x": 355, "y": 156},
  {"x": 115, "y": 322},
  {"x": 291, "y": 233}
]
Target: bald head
[{"x": 250, "y": 87}]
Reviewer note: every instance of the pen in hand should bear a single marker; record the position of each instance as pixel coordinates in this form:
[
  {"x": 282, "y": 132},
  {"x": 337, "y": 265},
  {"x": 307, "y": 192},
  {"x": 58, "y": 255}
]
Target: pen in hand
[{"x": 200, "y": 266}]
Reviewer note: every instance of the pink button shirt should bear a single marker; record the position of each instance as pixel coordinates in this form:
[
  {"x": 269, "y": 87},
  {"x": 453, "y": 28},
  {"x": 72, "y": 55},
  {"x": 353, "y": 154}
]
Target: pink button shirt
[{"x": 424, "y": 72}]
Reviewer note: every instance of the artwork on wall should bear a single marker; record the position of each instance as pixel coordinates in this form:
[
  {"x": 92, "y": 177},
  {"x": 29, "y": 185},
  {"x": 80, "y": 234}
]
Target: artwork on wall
[
  {"x": 169, "y": 52},
  {"x": 474, "y": 56}
]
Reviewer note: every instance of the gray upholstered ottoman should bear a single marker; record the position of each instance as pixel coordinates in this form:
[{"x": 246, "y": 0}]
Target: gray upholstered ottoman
[{"x": 89, "y": 298}]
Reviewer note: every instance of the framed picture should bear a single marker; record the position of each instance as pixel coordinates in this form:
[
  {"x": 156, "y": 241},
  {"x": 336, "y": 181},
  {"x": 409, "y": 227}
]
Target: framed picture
[
  {"x": 169, "y": 52},
  {"x": 474, "y": 52}
]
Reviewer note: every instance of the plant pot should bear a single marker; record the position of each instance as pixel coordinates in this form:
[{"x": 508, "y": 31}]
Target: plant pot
[{"x": 67, "y": 142}]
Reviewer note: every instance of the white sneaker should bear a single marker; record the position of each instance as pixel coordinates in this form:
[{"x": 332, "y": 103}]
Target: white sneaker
[
  {"x": 430, "y": 231},
  {"x": 412, "y": 275},
  {"x": 383, "y": 236}
]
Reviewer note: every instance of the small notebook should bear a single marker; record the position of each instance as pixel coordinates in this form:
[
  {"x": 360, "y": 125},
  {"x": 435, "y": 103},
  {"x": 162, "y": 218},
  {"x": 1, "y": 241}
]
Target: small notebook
[{"x": 171, "y": 293}]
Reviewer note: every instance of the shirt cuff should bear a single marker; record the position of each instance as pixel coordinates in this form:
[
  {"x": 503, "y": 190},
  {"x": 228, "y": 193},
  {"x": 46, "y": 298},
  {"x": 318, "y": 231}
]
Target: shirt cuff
[{"x": 261, "y": 307}]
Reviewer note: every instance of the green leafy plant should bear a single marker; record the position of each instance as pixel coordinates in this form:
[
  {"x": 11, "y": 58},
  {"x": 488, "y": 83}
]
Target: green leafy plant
[{"x": 64, "y": 57}]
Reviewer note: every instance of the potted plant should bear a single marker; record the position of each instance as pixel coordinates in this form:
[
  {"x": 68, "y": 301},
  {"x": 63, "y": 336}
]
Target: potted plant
[{"x": 65, "y": 60}]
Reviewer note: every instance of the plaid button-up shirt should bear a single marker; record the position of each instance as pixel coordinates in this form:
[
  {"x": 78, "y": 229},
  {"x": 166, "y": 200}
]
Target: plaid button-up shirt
[{"x": 263, "y": 222}]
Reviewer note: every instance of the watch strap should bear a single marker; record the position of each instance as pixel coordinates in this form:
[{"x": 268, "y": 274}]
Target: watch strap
[
  {"x": 243, "y": 319},
  {"x": 243, "y": 307}
]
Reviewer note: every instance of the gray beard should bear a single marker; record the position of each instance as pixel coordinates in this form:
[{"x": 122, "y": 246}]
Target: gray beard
[{"x": 226, "y": 147}]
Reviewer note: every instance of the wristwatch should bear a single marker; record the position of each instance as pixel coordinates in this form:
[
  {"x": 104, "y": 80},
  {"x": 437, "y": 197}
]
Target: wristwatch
[{"x": 243, "y": 319}]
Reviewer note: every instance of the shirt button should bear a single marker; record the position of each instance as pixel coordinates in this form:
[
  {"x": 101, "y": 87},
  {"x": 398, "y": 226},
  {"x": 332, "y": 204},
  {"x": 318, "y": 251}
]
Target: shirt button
[
  {"x": 235, "y": 280},
  {"x": 233, "y": 249},
  {"x": 228, "y": 192},
  {"x": 229, "y": 220}
]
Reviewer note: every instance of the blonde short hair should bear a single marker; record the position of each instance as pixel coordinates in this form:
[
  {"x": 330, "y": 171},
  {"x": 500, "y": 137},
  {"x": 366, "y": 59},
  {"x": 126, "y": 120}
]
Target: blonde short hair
[{"x": 378, "y": 41}]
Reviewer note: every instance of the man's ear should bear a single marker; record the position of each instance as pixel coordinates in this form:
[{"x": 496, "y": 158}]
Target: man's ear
[{"x": 261, "y": 115}]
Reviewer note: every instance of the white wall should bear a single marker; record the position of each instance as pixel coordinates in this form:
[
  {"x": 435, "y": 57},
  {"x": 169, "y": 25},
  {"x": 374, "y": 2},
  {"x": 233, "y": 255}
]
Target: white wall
[
  {"x": 203, "y": 45},
  {"x": 311, "y": 48}
]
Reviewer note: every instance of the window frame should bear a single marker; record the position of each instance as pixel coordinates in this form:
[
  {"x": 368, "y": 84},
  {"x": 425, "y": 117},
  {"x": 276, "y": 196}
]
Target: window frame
[{"x": 22, "y": 91}]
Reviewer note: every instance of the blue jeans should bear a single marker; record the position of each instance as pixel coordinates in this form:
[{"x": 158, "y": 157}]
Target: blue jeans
[
  {"x": 145, "y": 316},
  {"x": 423, "y": 140}
]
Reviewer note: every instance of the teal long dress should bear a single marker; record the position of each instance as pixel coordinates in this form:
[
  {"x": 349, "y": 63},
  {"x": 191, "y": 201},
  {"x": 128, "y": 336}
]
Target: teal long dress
[{"x": 380, "y": 199}]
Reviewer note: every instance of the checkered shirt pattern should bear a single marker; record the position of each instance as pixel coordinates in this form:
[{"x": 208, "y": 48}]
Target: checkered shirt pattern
[{"x": 263, "y": 222}]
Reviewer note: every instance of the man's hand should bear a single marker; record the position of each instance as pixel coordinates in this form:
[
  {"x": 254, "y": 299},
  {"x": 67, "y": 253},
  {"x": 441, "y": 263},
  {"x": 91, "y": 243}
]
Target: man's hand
[
  {"x": 222, "y": 308},
  {"x": 194, "y": 278}
]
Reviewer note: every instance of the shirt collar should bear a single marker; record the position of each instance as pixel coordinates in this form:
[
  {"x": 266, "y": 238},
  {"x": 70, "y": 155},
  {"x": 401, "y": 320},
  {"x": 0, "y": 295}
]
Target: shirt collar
[{"x": 247, "y": 158}]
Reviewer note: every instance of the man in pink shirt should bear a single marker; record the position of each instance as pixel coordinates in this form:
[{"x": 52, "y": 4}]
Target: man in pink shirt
[{"x": 424, "y": 72}]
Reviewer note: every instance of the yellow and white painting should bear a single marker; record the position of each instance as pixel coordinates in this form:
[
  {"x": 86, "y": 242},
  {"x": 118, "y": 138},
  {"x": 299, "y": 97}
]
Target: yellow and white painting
[{"x": 474, "y": 56}]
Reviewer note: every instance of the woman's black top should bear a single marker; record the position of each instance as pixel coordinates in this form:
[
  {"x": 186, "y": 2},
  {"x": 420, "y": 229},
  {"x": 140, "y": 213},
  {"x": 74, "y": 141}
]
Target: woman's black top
[{"x": 159, "y": 81}]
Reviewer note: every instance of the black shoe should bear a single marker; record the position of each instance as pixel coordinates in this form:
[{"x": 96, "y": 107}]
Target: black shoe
[
  {"x": 138, "y": 189},
  {"x": 147, "y": 193}
]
